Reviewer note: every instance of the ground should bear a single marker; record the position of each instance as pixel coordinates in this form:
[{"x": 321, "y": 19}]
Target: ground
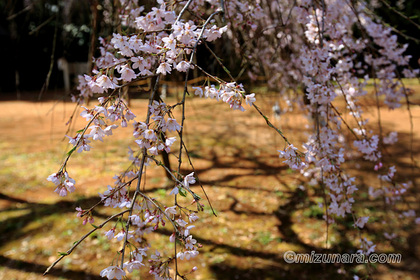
[{"x": 263, "y": 208}]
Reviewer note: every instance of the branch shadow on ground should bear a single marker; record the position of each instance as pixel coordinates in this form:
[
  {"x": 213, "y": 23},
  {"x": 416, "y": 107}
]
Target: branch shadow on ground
[
  {"x": 12, "y": 229},
  {"x": 277, "y": 268},
  {"x": 268, "y": 265},
  {"x": 31, "y": 267}
]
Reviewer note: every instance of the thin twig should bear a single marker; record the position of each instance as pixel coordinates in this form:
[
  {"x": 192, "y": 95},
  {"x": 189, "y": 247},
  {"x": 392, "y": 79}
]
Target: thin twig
[
  {"x": 137, "y": 192},
  {"x": 400, "y": 14},
  {"x": 253, "y": 104},
  {"x": 47, "y": 80},
  {"x": 69, "y": 153},
  {"x": 182, "y": 103},
  {"x": 186, "y": 87},
  {"x": 198, "y": 180},
  {"x": 43, "y": 24},
  {"x": 195, "y": 196},
  {"x": 410, "y": 115},
  {"x": 353, "y": 113},
  {"x": 182, "y": 11},
  {"x": 81, "y": 240},
  {"x": 26, "y": 9},
  {"x": 339, "y": 115},
  {"x": 106, "y": 197}
]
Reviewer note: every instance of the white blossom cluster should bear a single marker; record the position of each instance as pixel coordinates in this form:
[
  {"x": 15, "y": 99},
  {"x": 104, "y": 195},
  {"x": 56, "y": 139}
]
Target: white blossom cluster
[
  {"x": 230, "y": 93},
  {"x": 161, "y": 39}
]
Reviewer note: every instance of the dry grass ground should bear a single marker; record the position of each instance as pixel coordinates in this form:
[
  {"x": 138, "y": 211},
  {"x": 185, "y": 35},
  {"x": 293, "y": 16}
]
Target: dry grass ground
[{"x": 262, "y": 209}]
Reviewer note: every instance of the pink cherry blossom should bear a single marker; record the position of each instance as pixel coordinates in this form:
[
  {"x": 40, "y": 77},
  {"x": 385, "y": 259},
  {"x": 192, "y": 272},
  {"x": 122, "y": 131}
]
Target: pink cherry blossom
[
  {"x": 113, "y": 272},
  {"x": 127, "y": 74}
]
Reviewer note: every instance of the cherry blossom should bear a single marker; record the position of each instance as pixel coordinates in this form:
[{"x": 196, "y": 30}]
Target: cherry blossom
[
  {"x": 361, "y": 221},
  {"x": 63, "y": 182},
  {"x": 189, "y": 179},
  {"x": 164, "y": 68},
  {"x": 113, "y": 272},
  {"x": 127, "y": 74}
]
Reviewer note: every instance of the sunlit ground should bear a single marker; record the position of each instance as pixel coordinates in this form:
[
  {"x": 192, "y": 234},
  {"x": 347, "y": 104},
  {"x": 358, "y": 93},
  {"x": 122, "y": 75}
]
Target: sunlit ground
[{"x": 263, "y": 208}]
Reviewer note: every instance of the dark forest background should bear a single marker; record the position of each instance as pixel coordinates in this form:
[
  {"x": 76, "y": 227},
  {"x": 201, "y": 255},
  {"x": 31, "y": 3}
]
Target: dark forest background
[{"x": 35, "y": 33}]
